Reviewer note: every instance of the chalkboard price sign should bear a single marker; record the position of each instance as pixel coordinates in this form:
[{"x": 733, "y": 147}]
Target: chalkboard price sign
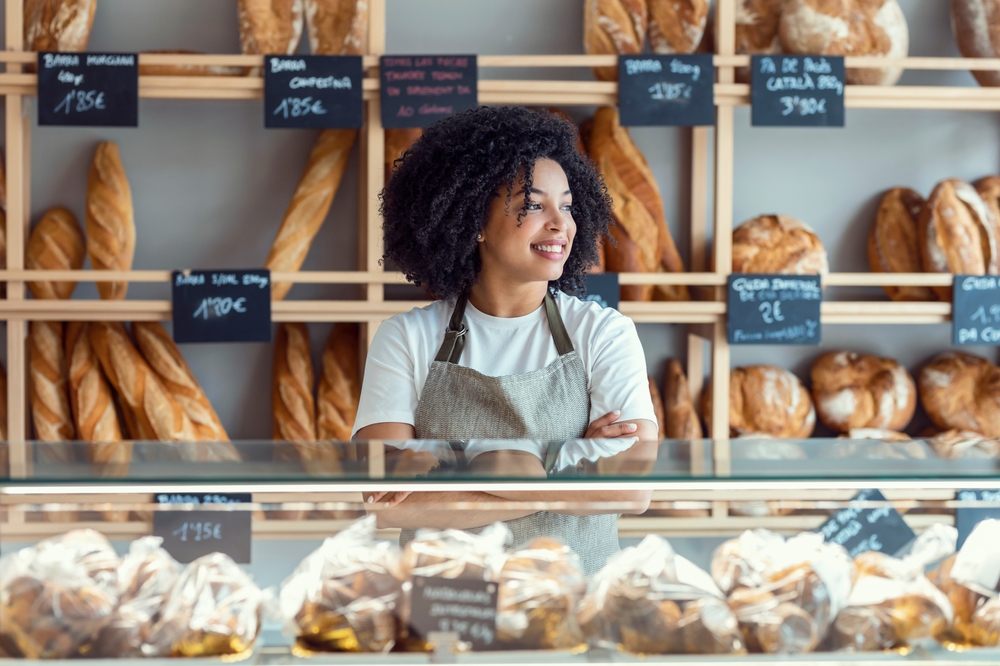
[
  {"x": 88, "y": 89},
  {"x": 603, "y": 288},
  {"x": 313, "y": 91},
  {"x": 975, "y": 310},
  {"x": 797, "y": 91},
  {"x": 222, "y": 306},
  {"x": 773, "y": 309},
  {"x": 673, "y": 90},
  {"x": 966, "y": 518},
  {"x": 417, "y": 91},
  {"x": 188, "y": 535},
  {"x": 860, "y": 530},
  {"x": 461, "y": 606}
]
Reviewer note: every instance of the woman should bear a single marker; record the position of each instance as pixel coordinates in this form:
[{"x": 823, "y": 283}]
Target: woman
[{"x": 497, "y": 215}]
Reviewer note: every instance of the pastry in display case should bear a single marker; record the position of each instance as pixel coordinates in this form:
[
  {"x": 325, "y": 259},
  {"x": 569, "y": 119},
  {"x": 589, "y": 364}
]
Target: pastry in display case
[{"x": 971, "y": 581}]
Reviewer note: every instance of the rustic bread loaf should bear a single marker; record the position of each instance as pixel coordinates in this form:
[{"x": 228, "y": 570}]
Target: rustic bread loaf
[
  {"x": 337, "y": 27},
  {"x": 988, "y": 189},
  {"x": 661, "y": 418},
  {"x": 270, "y": 26},
  {"x": 765, "y": 399},
  {"x": 961, "y": 392},
  {"x": 397, "y": 142},
  {"x": 848, "y": 28},
  {"x": 893, "y": 245},
  {"x": 292, "y": 385},
  {"x": 958, "y": 233},
  {"x": 58, "y": 25},
  {"x": 185, "y": 70},
  {"x": 676, "y": 26},
  {"x": 614, "y": 27},
  {"x": 3, "y": 404},
  {"x": 94, "y": 413},
  {"x": 976, "y": 24},
  {"x": 854, "y": 390},
  {"x": 681, "y": 416},
  {"x": 50, "y": 410},
  {"x": 778, "y": 244},
  {"x": 56, "y": 244},
  {"x": 340, "y": 384},
  {"x": 757, "y": 23},
  {"x": 110, "y": 219},
  {"x": 310, "y": 204},
  {"x": 640, "y": 229}
]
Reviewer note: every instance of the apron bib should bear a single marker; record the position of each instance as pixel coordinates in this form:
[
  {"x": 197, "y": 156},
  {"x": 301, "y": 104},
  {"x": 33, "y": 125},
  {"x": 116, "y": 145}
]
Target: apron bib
[{"x": 550, "y": 404}]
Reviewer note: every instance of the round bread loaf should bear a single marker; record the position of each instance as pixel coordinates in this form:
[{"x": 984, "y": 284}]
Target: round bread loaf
[
  {"x": 976, "y": 24},
  {"x": 766, "y": 399},
  {"x": 892, "y": 241},
  {"x": 848, "y": 28},
  {"x": 757, "y": 30},
  {"x": 854, "y": 390},
  {"x": 962, "y": 391},
  {"x": 778, "y": 244}
]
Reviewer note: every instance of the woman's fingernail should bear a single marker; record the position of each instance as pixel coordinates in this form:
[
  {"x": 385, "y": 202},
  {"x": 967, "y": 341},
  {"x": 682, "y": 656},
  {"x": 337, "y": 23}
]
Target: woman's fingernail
[
  {"x": 371, "y": 499},
  {"x": 632, "y": 426},
  {"x": 617, "y": 412}
]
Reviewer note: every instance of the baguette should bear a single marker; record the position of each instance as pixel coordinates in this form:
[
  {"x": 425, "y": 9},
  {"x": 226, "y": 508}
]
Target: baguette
[
  {"x": 337, "y": 27},
  {"x": 58, "y": 25},
  {"x": 310, "y": 204},
  {"x": 270, "y": 26},
  {"x": 94, "y": 413},
  {"x": 397, "y": 142},
  {"x": 643, "y": 239},
  {"x": 50, "y": 410},
  {"x": 661, "y": 418},
  {"x": 186, "y": 70},
  {"x": 110, "y": 219},
  {"x": 613, "y": 27},
  {"x": 292, "y": 386},
  {"x": 678, "y": 405},
  {"x": 56, "y": 243},
  {"x": 168, "y": 363},
  {"x": 340, "y": 384},
  {"x": 3, "y": 224}
]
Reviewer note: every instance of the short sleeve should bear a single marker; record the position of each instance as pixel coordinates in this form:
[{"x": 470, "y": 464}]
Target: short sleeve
[
  {"x": 388, "y": 392},
  {"x": 618, "y": 377}
]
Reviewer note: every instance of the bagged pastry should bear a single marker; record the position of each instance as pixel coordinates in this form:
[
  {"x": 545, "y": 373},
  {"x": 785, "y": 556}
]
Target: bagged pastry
[
  {"x": 740, "y": 562},
  {"x": 457, "y": 553},
  {"x": 346, "y": 595},
  {"x": 214, "y": 608},
  {"x": 971, "y": 581},
  {"x": 650, "y": 600},
  {"x": 540, "y": 586},
  {"x": 57, "y": 595}
]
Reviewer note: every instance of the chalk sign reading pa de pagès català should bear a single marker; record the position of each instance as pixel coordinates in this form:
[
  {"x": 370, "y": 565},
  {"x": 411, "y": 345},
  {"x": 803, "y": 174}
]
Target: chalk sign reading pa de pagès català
[{"x": 797, "y": 91}]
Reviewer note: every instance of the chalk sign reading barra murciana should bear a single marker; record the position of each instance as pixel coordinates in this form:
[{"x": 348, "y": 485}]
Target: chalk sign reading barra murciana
[
  {"x": 773, "y": 309},
  {"x": 88, "y": 89},
  {"x": 797, "y": 91}
]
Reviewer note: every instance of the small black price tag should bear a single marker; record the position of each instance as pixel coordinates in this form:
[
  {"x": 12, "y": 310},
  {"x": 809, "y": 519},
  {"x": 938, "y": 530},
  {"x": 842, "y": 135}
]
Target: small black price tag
[
  {"x": 465, "y": 607},
  {"x": 88, "y": 89},
  {"x": 188, "y": 535},
  {"x": 677, "y": 90},
  {"x": 975, "y": 310},
  {"x": 222, "y": 306},
  {"x": 603, "y": 288},
  {"x": 860, "y": 530},
  {"x": 966, "y": 518},
  {"x": 313, "y": 91},
  {"x": 773, "y": 309},
  {"x": 417, "y": 91},
  {"x": 797, "y": 91}
]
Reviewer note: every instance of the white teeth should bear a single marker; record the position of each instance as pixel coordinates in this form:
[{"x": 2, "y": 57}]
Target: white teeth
[{"x": 549, "y": 248}]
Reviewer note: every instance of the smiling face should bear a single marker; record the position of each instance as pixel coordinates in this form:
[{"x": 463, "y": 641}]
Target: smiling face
[{"x": 534, "y": 248}]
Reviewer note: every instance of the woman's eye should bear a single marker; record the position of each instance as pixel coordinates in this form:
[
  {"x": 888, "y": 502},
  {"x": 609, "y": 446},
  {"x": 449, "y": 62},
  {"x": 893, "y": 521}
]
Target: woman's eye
[
  {"x": 567, "y": 207},
  {"x": 534, "y": 206}
]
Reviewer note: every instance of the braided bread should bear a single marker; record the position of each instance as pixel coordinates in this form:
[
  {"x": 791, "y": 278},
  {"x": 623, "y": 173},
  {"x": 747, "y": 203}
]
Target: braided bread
[
  {"x": 56, "y": 243},
  {"x": 292, "y": 392},
  {"x": 110, "y": 219}
]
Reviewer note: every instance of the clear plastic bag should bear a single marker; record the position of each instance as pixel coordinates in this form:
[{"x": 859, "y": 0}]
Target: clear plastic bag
[
  {"x": 457, "y": 553},
  {"x": 214, "y": 608},
  {"x": 971, "y": 581},
  {"x": 650, "y": 600},
  {"x": 540, "y": 586},
  {"x": 741, "y": 562},
  {"x": 346, "y": 595},
  {"x": 57, "y": 595}
]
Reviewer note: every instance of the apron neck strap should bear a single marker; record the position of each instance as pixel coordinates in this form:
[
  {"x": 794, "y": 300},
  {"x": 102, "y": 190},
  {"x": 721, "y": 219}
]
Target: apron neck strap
[{"x": 454, "y": 337}]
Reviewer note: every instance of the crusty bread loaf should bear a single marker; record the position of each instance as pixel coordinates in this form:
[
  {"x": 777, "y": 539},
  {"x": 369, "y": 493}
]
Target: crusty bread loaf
[
  {"x": 3, "y": 182},
  {"x": 988, "y": 189},
  {"x": 50, "y": 410},
  {"x": 958, "y": 233},
  {"x": 270, "y": 26},
  {"x": 640, "y": 229},
  {"x": 340, "y": 383},
  {"x": 310, "y": 204},
  {"x": 56, "y": 243},
  {"x": 854, "y": 390},
  {"x": 661, "y": 418},
  {"x": 778, "y": 244},
  {"x": 976, "y": 24},
  {"x": 185, "y": 70},
  {"x": 681, "y": 416},
  {"x": 848, "y": 28},
  {"x": 962, "y": 392},
  {"x": 757, "y": 23},
  {"x": 58, "y": 25},
  {"x": 292, "y": 385},
  {"x": 3, "y": 403},
  {"x": 676, "y": 26},
  {"x": 110, "y": 219},
  {"x": 765, "y": 399},
  {"x": 337, "y": 27},
  {"x": 611, "y": 27},
  {"x": 166, "y": 360},
  {"x": 893, "y": 245},
  {"x": 397, "y": 142},
  {"x": 93, "y": 408}
]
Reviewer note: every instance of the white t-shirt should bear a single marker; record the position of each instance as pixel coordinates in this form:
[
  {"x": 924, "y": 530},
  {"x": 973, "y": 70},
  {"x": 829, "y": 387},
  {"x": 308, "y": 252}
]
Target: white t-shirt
[{"x": 405, "y": 345}]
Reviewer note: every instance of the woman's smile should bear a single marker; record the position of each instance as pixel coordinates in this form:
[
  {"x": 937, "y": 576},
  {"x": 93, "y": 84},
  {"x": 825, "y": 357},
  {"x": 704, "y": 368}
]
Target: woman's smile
[{"x": 552, "y": 250}]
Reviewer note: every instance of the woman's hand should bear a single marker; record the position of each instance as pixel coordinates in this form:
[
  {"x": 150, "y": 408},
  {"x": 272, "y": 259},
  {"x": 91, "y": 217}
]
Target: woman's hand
[
  {"x": 385, "y": 499},
  {"x": 606, "y": 428}
]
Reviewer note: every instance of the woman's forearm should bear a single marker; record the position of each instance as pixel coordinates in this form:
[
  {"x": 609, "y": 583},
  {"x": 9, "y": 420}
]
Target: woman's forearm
[
  {"x": 436, "y": 510},
  {"x": 637, "y": 500}
]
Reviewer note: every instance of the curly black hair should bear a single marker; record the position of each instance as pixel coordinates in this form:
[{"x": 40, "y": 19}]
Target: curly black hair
[{"x": 438, "y": 198}]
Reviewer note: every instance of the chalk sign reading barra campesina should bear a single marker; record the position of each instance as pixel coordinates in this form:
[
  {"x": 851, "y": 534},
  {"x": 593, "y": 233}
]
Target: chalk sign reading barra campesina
[
  {"x": 417, "y": 91},
  {"x": 975, "y": 310},
  {"x": 190, "y": 534},
  {"x": 797, "y": 91},
  {"x": 314, "y": 91},
  {"x": 88, "y": 89},
  {"x": 773, "y": 309},
  {"x": 462, "y": 606},
  {"x": 675, "y": 90},
  {"x": 860, "y": 530},
  {"x": 221, "y": 306}
]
